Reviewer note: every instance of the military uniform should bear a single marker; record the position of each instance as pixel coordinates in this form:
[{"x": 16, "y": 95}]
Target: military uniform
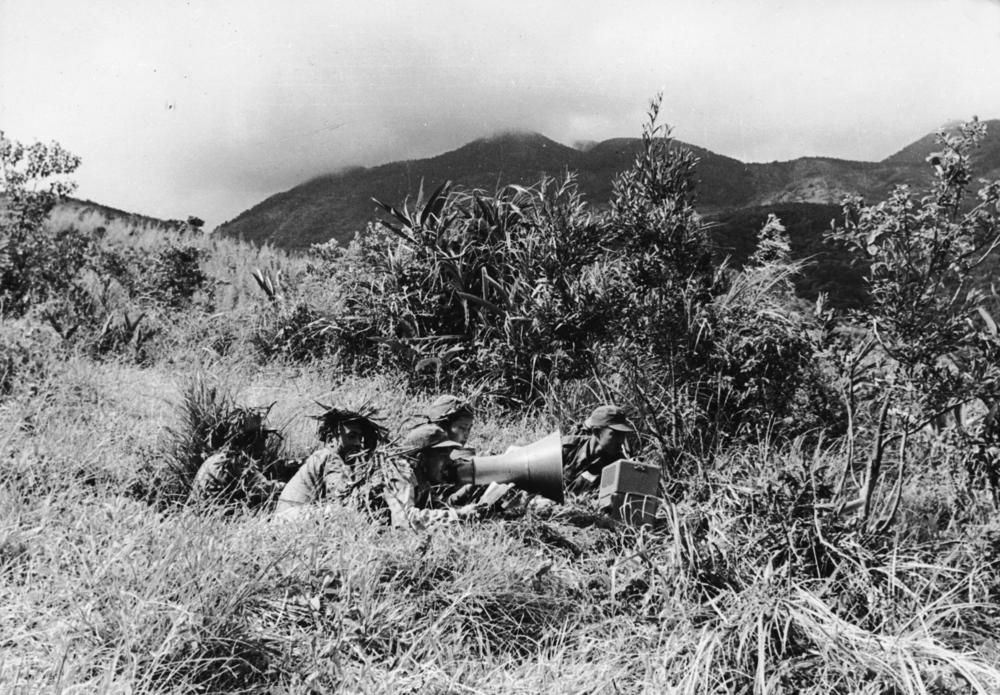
[
  {"x": 583, "y": 462},
  {"x": 415, "y": 501},
  {"x": 323, "y": 476},
  {"x": 579, "y": 457},
  {"x": 231, "y": 477}
]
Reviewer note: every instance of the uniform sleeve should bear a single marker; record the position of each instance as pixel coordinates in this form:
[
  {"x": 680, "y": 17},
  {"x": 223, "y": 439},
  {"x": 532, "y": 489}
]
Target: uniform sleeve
[
  {"x": 336, "y": 480},
  {"x": 571, "y": 446},
  {"x": 256, "y": 486},
  {"x": 400, "y": 495},
  {"x": 209, "y": 482}
]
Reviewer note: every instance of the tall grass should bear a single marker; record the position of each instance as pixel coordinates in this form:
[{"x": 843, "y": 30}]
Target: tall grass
[{"x": 101, "y": 593}]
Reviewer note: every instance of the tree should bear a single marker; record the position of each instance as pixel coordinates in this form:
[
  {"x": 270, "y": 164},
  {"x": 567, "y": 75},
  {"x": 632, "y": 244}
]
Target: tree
[
  {"x": 930, "y": 341},
  {"x": 31, "y": 183}
]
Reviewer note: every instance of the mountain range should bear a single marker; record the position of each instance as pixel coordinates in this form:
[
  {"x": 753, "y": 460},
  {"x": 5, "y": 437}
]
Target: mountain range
[{"x": 337, "y": 205}]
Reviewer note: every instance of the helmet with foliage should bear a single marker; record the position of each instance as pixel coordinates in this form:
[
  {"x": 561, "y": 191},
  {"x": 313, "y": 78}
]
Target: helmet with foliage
[{"x": 365, "y": 416}]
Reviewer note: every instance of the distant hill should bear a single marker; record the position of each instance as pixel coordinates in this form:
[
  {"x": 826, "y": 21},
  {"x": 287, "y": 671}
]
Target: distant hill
[
  {"x": 337, "y": 205},
  {"x": 87, "y": 215}
]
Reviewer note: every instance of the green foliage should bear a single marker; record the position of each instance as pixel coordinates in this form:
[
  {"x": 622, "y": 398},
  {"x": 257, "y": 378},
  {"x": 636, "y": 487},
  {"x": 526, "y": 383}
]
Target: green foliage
[
  {"x": 528, "y": 290},
  {"x": 702, "y": 354},
  {"x": 291, "y": 329},
  {"x": 27, "y": 351},
  {"x": 653, "y": 224},
  {"x": 172, "y": 276},
  {"x": 930, "y": 343},
  {"x": 92, "y": 294},
  {"x": 827, "y": 268},
  {"x": 31, "y": 262},
  {"x": 475, "y": 287},
  {"x": 297, "y": 332}
]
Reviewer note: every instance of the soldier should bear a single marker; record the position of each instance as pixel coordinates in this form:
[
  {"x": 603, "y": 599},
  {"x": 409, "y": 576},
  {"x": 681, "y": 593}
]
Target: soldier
[
  {"x": 419, "y": 476},
  {"x": 232, "y": 475},
  {"x": 334, "y": 472},
  {"x": 453, "y": 415},
  {"x": 584, "y": 456}
]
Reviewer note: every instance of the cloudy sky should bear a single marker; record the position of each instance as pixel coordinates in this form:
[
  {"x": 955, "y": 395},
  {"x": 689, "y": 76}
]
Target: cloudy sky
[{"x": 207, "y": 107}]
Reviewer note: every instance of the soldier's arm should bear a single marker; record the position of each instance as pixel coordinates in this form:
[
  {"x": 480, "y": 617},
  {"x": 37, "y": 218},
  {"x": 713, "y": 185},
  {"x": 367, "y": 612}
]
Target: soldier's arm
[
  {"x": 400, "y": 496},
  {"x": 257, "y": 486},
  {"x": 584, "y": 482},
  {"x": 210, "y": 481}
]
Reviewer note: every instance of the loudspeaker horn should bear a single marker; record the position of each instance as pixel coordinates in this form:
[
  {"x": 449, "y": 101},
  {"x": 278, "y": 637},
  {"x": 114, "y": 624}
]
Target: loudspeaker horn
[{"x": 535, "y": 467}]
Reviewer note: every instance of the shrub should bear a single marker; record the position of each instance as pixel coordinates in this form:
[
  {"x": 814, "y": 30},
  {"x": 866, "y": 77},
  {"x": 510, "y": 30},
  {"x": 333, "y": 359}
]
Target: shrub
[
  {"x": 27, "y": 351},
  {"x": 703, "y": 355},
  {"x": 173, "y": 275},
  {"x": 477, "y": 287},
  {"x": 929, "y": 341},
  {"x": 298, "y": 332},
  {"x": 32, "y": 263}
]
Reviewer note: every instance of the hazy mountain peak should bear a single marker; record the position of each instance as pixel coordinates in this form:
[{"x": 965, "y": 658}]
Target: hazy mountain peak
[
  {"x": 514, "y": 135},
  {"x": 511, "y": 141},
  {"x": 338, "y": 206}
]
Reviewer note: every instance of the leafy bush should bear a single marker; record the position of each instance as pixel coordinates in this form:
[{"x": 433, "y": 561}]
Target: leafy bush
[
  {"x": 703, "y": 355},
  {"x": 27, "y": 352},
  {"x": 32, "y": 263},
  {"x": 297, "y": 332},
  {"x": 527, "y": 290},
  {"x": 173, "y": 275},
  {"x": 929, "y": 346},
  {"x": 477, "y": 286}
]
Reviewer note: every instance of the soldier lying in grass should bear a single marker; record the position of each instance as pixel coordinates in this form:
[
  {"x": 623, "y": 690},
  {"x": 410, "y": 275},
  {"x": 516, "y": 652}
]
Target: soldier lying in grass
[
  {"x": 232, "y": 475},
  {"x": 606, "y": 431},
  {"x": 455, "y": 417},
  {"x": 337, "y": 472},
  {"x": 418, "y": 478}
]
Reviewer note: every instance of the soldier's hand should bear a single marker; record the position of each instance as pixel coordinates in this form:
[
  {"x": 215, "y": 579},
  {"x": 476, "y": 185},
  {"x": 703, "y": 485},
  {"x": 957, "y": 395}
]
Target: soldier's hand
[
  {"x": 583, "y": 482},
  {"x": 471, "y": 512},
  {"x": 460, "y": 494}
]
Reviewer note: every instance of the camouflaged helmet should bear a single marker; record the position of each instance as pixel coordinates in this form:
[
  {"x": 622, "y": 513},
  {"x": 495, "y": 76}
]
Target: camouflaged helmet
[
  {"x": 240, "y": 428},
  {"x": 423, "y": 437},
  {"x": 447, "y": 409},
  {"x": 332, "y": 417},
  {"x": 608, "y": 416}
]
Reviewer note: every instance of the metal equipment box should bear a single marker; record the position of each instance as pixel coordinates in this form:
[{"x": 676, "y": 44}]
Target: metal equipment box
[{"x": 629, "y": 491}]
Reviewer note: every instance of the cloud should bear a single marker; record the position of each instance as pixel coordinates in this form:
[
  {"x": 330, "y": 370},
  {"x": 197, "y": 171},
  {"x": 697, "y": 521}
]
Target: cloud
[{"x": 207, "y": 108}]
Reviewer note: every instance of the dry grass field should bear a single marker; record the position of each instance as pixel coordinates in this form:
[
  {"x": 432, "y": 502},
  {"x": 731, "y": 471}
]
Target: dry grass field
[{"x": 103, "y": 593}]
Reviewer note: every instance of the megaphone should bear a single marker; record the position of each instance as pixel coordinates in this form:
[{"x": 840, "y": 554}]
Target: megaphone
[{"x": 534, "y": 468}]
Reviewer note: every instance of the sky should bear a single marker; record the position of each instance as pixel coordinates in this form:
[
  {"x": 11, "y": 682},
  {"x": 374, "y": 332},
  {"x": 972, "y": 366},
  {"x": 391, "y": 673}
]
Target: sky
[{"x": 206, "y": 108}]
